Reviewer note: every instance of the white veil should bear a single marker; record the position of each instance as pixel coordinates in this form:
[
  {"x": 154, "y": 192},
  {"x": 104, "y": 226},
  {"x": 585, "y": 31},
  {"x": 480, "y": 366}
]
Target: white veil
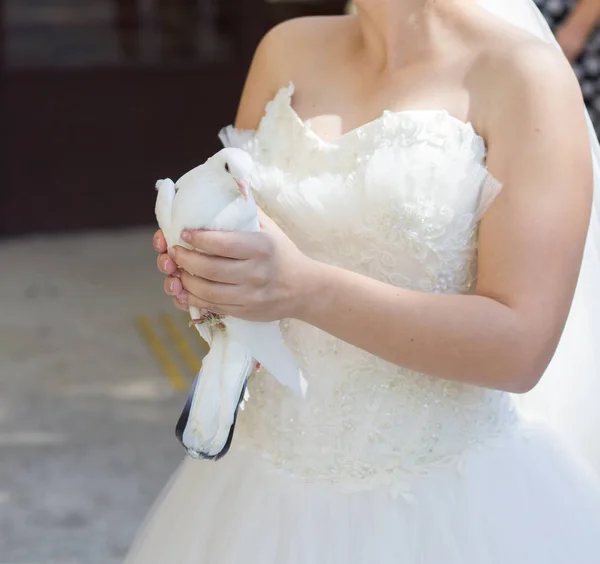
[{"x": 569, "y": 393}]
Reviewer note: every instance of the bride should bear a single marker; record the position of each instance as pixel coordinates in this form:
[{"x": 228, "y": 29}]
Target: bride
[{"x": 427, "y": 182}]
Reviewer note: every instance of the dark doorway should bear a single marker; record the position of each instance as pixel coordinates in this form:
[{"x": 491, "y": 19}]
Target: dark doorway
[{"x": 103, "y": 97}]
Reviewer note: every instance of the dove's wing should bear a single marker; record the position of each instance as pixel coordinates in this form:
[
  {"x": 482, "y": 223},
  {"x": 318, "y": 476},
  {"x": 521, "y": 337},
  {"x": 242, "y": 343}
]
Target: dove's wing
[
  {"x": 265, "y": 343},
  {"x": 164, "y": 209},
  {"x": 239, "y": 215}
]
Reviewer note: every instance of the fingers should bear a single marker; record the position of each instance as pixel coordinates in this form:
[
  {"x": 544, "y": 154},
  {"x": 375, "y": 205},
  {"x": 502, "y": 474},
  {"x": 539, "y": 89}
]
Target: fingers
[
  {"x": 234, "y": 245},
  {"x": 209, "y": 293},
  {"x": 179, "y": 305},
  {"x": 222, "y": 310},
  {"x": 166, "y": 265},
  {"x": 159, "y": 242},
  {"x": 173, "y": 286},
  {"x": 163, "y": 262},
  {"x": 200, "y": 293},
  {"x": 213, "y": 268}
]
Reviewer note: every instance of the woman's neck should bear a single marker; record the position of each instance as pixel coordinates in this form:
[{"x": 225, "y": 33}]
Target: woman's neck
[{"x": 397, "y": 33}]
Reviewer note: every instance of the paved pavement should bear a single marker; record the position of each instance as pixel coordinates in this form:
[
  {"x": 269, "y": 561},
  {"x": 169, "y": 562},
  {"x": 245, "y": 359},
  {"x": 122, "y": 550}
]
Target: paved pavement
[{"x": 86, "y": 410}]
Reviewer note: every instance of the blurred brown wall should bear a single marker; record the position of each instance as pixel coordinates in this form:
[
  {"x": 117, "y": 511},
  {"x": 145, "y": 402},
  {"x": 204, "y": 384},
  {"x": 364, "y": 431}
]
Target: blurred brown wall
[{"x": 84, "y": 145}]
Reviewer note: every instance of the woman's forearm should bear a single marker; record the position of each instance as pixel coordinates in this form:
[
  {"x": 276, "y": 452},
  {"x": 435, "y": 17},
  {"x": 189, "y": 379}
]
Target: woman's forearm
[
  {"x": 466, "y": 338},
  {"x": 586, "y": 15}
]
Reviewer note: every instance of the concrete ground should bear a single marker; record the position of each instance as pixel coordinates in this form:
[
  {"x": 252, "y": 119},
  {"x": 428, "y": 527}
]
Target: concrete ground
[{"x": 87, "y": 411}]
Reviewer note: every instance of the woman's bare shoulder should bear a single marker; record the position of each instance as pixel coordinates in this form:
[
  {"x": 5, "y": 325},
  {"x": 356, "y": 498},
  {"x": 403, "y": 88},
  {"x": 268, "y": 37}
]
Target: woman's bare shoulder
[
  {"x": 290, "y": 51},
  {"x": 514, "y": 74}
]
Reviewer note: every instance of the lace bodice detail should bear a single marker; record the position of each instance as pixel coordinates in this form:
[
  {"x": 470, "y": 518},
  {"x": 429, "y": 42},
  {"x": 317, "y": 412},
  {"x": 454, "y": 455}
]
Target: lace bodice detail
[{"x": 399, "y": 200}]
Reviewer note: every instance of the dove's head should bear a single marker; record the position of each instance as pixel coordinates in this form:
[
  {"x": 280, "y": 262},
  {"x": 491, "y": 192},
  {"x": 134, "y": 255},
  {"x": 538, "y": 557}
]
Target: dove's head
[
  {"x": 201, "y": 194},
  {"x": 236, "y": 164}
]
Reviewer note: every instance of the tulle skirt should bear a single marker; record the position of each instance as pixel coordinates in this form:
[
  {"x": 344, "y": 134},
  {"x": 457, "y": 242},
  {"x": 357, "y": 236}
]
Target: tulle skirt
[{"x": 523, "y": 499}]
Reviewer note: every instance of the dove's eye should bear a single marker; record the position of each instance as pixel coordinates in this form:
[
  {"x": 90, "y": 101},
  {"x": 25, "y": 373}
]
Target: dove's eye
[{"x": 227, "y": 167}]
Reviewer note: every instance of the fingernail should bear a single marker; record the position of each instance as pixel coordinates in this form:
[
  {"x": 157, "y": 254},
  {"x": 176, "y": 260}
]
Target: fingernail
[
  {"x": 155, "y": 243},
  {"x": 182, "y": 298},
  {"x": 186, "y": 236},
  {"x": 177, "y": 274}
]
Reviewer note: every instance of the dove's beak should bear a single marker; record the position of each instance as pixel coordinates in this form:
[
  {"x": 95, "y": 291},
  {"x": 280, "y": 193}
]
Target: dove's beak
[{"x": 244, "y": 187}]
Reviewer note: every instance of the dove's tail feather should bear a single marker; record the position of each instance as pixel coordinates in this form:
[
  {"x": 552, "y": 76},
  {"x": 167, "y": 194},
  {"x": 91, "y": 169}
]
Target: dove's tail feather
[
  {"x": 194, "y": 450},
  {"x": 265, "y": 343},
  {"x": 206, "y": 425}
]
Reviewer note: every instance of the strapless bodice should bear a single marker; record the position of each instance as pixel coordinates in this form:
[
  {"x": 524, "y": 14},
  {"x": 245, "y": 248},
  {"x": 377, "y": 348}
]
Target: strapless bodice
[{"x": 398, "y": 199}]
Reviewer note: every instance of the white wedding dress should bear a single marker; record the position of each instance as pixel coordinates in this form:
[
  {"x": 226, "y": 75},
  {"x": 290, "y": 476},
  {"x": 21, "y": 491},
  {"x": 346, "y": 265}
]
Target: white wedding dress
[{"x": 379, "y": 465}]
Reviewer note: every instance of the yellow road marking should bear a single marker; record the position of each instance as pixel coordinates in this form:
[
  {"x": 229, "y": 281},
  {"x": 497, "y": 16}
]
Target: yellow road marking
[
  {"x": 192, "y": 361},
  {"x": 161, "y": 352}
]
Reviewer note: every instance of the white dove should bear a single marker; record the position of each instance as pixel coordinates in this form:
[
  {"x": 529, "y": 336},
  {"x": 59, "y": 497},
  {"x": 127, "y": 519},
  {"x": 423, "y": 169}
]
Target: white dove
[{"x": 217, "y": 195}]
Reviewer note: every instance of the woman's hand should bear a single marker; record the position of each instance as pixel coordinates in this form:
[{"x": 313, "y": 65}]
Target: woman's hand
[{"x": 255, "y": 276}]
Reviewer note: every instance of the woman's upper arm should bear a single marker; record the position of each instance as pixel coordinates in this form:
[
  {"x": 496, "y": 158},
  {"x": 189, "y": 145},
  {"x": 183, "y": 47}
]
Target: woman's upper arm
[
  {"x": 258, "y": 88},
  {"x": 532, "y": 238},
  {"x": 271, "y": 68}
]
